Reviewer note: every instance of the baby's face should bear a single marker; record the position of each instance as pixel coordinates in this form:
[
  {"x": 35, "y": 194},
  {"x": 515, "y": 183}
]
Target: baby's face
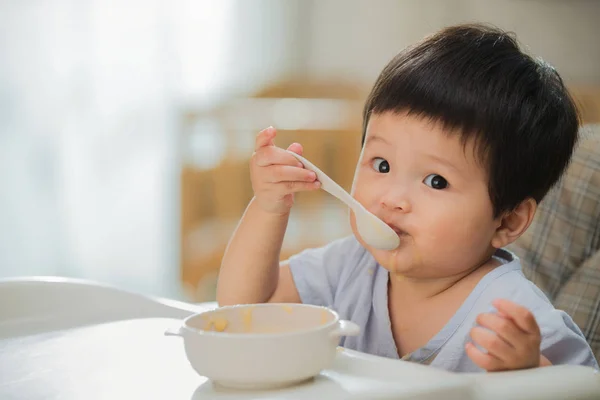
[{"x": 431, "y": 189}]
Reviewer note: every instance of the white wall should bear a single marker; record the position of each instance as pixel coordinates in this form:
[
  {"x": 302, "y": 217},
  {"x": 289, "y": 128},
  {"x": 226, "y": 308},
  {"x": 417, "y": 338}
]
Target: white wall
[{"x": 357, "y": 38}]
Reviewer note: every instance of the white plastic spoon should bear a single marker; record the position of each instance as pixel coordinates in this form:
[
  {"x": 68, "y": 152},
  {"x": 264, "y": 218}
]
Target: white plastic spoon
[{"x": 374, "y": 231}]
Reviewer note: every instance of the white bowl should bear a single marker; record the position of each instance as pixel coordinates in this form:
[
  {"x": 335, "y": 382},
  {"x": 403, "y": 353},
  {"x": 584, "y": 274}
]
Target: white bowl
[{"x": 262, "y": 345}]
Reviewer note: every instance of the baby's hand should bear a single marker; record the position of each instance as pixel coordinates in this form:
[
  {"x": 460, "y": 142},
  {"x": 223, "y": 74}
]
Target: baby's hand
[
  {"x": 514, "y": 340},
  {"x": 276, "y": 175}
]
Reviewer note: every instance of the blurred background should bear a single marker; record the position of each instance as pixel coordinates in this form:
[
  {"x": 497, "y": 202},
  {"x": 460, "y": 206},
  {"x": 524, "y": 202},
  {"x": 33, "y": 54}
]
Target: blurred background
[{"x": 126, "y": 126}]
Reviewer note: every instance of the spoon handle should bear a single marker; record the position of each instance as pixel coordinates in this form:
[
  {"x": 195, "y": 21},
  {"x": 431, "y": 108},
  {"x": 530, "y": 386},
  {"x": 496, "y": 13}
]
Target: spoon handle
[{"x": 329, "y": 184}]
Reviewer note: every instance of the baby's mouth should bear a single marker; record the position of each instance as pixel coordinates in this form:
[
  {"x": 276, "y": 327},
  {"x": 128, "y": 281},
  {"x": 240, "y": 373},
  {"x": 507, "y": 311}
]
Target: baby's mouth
[{"x": 396, "y": 229}]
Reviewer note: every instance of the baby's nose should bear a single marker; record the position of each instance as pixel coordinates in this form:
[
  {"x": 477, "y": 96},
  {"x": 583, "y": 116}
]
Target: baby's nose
[{"x": 396, "y": 199}]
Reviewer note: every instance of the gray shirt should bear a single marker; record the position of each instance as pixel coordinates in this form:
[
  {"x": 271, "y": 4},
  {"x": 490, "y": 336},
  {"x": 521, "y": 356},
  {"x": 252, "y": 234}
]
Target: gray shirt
[{"x": 345, "y": 277}]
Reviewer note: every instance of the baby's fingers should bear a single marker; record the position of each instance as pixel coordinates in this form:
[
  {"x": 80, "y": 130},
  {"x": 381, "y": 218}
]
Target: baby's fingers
[
  {"x": 503, "y": 327},
  {"x": 272, "y": 155},
  {"x": 492, "y": 343},
  {"x": 296, "y": 148},
  {"x": 287, "y": 173},
  {"x": 484, "y": 361},
  {"x": 523, "y": 318},
  {"x": 265, "y": 138},
  {"x": 299, "y": 186}
]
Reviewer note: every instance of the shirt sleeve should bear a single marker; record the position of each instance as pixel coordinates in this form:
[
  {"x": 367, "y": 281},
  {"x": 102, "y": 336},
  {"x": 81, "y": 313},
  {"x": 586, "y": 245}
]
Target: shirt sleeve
[
  {"x": 563, "y": 342},
  {"x": 317, "y": 272}
]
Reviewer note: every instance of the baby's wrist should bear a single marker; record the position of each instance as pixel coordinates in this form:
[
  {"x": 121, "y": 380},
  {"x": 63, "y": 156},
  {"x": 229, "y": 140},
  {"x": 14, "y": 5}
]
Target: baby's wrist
[{"x": 272, "y": 210}]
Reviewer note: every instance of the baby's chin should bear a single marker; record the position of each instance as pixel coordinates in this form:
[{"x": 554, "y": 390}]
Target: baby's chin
[
  {"x": 392, "y": 261},
  {"x": 403, "y": 261},
  {"x": 405, "y": 272},
  {"x": 405, "y": 269}
]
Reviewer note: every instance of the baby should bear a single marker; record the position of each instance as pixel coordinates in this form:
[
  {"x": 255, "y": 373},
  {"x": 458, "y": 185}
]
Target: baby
[{"x": 463, "y": 136}]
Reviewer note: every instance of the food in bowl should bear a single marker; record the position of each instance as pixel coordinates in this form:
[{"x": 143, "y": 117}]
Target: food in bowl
[{"x": 262, "y": 345}]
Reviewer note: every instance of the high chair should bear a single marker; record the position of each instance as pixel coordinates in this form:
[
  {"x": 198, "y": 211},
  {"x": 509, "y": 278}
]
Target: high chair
[{"x": 560, "y": 251}]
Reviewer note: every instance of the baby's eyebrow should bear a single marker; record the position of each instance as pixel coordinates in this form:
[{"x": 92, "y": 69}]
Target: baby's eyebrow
[
  {"x": 375, "y": 138},
  {"x": 443, "y": 161}
]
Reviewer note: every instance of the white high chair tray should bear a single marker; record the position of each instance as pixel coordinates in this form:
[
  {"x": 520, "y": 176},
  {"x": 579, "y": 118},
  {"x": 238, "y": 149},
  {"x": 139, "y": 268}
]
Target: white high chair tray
[{"x": 83, "y": 350}]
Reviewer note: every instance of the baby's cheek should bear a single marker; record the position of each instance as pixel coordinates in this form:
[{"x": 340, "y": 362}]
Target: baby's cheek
[
  {"x": 441, "y": 240},
  {"x": 360, "y": 183},
  {"x": 475, "y": 232},
  {"x": 469, "y": 240}
]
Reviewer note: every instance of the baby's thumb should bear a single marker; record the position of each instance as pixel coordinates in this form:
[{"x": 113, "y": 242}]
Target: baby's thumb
[{"x": 296, "y": 148}]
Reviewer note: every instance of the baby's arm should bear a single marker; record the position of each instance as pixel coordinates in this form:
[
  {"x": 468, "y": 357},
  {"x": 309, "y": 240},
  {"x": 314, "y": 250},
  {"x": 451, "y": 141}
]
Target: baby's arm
[{"x": 250, "y": 270}]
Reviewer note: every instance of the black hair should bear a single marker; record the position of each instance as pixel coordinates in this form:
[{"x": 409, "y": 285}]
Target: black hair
[{"x": 475, "y": 80}]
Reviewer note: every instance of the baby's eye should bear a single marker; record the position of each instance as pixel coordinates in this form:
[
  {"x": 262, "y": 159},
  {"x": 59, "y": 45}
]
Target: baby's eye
[
  {"x": 436, "y": 181},
  {"x": 380, "y": 165}
]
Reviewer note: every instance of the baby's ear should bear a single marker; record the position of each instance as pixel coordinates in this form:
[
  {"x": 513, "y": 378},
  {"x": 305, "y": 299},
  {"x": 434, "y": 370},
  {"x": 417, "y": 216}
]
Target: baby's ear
[{"x": 513, "y": 224}]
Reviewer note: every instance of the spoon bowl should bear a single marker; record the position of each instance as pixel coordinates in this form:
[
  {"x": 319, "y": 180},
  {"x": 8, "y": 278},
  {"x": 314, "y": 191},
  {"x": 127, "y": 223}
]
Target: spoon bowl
[{"x": 374, "y": 231}]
